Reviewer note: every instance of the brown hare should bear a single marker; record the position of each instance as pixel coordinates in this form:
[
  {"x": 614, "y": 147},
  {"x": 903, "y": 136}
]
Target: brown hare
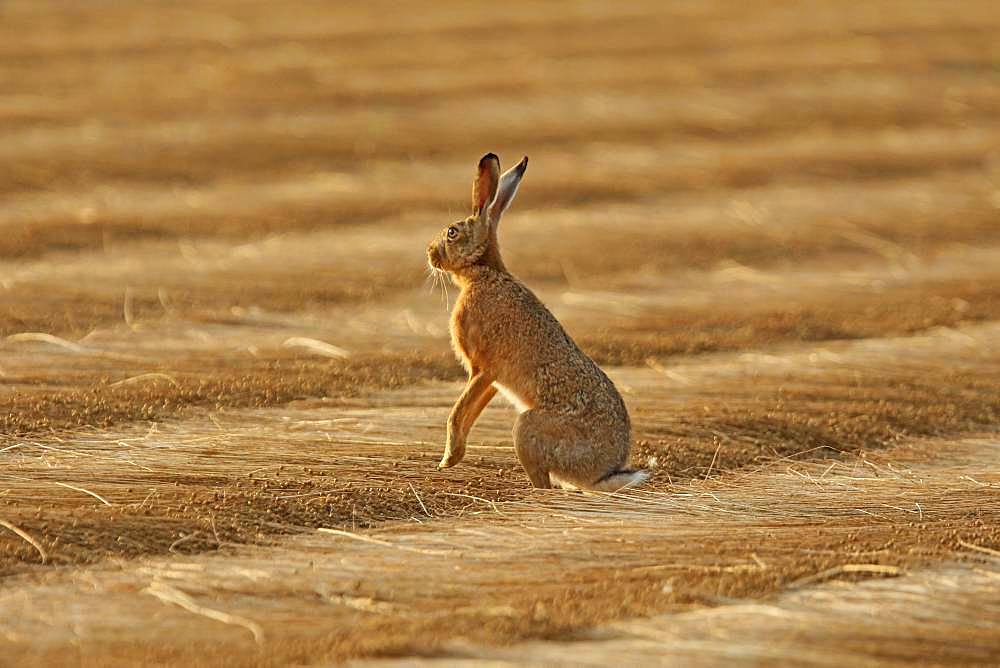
[{"x": 573, "y": 428}]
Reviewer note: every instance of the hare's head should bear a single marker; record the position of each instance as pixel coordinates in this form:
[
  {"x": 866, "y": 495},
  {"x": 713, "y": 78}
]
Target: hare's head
[{"x": 473, "y": 240}]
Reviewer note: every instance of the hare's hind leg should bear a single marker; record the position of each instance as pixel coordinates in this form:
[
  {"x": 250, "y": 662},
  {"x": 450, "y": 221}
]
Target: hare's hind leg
[
  {"x": 533, "y": 432},
  {"x": 554, "y": 447},
  {"x": 550, "y": 445}
]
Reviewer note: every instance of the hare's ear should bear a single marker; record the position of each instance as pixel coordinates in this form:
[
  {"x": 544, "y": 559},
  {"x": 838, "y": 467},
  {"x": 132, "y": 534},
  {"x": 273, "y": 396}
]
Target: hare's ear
[
  {"x": 484, "y": 188},
  {"x": 507, "y": 189}
]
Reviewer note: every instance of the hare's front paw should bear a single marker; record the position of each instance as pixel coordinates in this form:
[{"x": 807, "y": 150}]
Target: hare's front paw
[{"x": 453, "y": 454}]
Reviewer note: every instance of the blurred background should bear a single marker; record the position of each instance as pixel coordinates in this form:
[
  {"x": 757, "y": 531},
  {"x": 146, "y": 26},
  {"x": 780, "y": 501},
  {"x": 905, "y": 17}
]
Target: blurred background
[{"x": 664, "y": 136}]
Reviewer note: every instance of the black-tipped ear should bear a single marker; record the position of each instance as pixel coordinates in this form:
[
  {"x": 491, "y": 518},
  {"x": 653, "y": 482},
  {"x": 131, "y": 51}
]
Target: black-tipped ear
[
  {"x": 507, "y": 189},
  {"x": 484, "y": 187}
]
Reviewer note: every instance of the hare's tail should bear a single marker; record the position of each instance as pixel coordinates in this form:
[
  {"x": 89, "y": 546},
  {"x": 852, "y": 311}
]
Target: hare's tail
[{"x": 621, "y": 479}]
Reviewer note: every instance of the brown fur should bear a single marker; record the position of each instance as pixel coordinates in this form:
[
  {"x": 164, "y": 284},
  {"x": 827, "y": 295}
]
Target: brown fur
[{"x": 573, "y": 427}]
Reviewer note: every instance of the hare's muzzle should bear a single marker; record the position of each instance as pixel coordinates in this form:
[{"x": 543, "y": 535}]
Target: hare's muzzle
[{"x": 434, "y": 256}]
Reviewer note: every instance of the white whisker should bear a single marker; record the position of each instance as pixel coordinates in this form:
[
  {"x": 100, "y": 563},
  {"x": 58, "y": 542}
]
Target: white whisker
[
  {"x": 431, "y": 280},
  {"x": 447, "y": 292},
  {"x": 444, "y": 296},
  {"x": 440, "y": 281}
]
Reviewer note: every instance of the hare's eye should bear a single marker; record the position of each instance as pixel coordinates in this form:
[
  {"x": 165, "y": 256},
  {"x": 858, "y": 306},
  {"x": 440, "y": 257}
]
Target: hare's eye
[{"x": 452, "y": 232}]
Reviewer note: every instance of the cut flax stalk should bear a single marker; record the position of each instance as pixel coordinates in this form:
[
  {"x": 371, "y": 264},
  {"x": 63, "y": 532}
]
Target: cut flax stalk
[
  {"x": 42, "y": 337},
  {"x": 146, "y": 376},
  {"x": 169, "y": 594},
  {"x": 85, "y": 491},
  {"x": 419, "y": 500},
  {"x": 980, "y": 548},
  {"x": 321, "y": 348},
  {"x": 873, "y": 569},
  {"x": 385, "y": 543},
  {"x": 27, "y": 538}
]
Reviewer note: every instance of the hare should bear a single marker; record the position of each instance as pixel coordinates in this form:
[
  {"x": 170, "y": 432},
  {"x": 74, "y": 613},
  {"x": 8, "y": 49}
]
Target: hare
[{"x": 573, "y": 428}]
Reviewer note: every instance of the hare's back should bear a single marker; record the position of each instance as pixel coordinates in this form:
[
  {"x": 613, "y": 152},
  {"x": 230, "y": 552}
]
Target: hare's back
[
  {"x": 527, "y": 342},
  {"x": 519, "y": 321}
]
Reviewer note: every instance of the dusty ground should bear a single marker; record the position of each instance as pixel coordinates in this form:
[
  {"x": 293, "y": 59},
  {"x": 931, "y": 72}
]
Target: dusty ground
[{"x": 224, "y": 377}]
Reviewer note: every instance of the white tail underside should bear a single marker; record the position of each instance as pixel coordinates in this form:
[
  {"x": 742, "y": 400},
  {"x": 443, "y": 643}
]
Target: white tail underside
[
  {"x": 622, "y": 481},
  {"x": 615, "y": 483}
]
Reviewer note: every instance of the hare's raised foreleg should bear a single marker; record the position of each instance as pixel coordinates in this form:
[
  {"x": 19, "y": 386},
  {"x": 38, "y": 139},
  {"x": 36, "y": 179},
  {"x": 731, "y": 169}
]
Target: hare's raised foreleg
[{"x": 478, "y": 392}]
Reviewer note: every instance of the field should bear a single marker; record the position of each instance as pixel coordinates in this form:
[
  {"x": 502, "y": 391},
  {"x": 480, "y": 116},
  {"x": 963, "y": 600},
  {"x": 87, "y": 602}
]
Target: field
[{"x": 224, "y": 374}]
